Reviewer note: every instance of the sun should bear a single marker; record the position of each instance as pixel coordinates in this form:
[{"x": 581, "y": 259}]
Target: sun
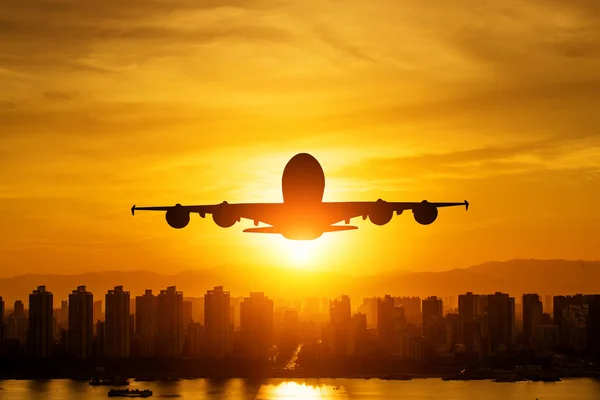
[{"x": 301, "y": 254}]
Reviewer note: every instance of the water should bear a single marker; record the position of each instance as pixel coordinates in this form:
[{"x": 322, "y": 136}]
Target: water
[{"x": 314, "y": 389}]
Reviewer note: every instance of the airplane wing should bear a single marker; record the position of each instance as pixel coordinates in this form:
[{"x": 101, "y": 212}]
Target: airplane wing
[
  {"x": 224, "y": 214},
  {"x": 380, "y": 212}
]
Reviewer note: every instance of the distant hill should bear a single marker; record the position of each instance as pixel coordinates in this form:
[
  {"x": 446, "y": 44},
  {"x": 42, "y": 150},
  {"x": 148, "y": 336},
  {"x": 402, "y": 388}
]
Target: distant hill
[{"x": 514, "y": 277}]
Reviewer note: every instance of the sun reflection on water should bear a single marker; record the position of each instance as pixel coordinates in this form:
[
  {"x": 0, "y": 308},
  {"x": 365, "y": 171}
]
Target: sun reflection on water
[{"x": 293, "y": 390}]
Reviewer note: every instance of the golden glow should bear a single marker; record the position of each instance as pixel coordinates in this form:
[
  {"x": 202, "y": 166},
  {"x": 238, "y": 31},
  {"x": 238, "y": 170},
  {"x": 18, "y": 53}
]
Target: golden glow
[
  {"x": 302, "y": 254},
  {"x": 400, "y": 100},
  {"x": 296, "y": 391}
]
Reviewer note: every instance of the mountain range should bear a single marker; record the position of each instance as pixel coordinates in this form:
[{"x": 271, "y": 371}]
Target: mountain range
[{"x": 514, "y": 277}]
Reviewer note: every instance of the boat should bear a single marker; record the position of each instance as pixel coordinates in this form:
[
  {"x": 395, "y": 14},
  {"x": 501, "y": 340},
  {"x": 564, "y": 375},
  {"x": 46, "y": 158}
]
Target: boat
[{"x": 129, "y": 393}]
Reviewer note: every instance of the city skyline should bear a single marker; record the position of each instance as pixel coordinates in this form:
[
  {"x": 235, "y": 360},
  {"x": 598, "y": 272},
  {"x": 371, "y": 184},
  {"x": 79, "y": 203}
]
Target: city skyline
[
  {"x": 257, "y": 327},
  {"x": 493, "y": 103}
]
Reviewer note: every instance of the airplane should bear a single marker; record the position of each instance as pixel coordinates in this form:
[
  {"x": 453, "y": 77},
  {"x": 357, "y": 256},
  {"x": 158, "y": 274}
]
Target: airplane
[{"x": 302, "y": 215}]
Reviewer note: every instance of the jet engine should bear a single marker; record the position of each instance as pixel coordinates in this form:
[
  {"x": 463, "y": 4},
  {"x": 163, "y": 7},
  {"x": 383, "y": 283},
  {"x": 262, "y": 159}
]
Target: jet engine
[
  {"x": 223, "y": 217},
  {"x": 177, "y": 218},
  {"x": 425, "y": 213},
  {"x": 381, "y": 214}
]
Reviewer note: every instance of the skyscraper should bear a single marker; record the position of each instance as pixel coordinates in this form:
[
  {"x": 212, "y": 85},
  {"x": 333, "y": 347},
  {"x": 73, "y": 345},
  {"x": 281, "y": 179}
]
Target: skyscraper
[
  {"x": 187, "y": 313},
  {"x": 146, "y": 307},
  {"x": 116, "y": 327},
  {"x": 468, "y": 309},
  {"x": 170, "y": 322},
  {"x": 217, "y": 325},
  {"x": 289, "y": 333},
  {"x": 256, "y": 325},
  {"x": 1, "y": 323},
  {"x": 40, "y": 339},
  {"x": 593, "y": 327},
  {"x": 358, "y": 334},
  {"x": 433, "y": 329},
  {"x": 385, "y": 323},
  {"x": 80, "y": 334},
  {"x": 559, "y": 304},
  {"x": 532, "y": 315},
  {"x": 501, "y": 320},
  {"x": 19, "y": 309},
  {"x": 340, "y": 314}
]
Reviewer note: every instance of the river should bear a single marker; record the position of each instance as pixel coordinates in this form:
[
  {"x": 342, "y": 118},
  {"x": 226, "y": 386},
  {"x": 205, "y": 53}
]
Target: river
[{"x": 313, "y": 389}]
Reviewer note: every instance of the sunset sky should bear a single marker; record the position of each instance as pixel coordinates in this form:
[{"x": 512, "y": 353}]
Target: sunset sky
[{"x": 105, "y": 104}]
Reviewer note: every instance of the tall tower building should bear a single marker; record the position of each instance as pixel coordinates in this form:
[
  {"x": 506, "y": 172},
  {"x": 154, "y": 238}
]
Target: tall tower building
[
  {"x": 532, "y": 315},
  {"x": 19, "y": 309},
  {"x": 40, "y": 339},
  {"x": 146, "y": 307},
  {"x": 116, "y": 326},
  {"x": 1, "y": 323},
  {"x": 593, "y": 327},
  {"x": 256, "y": 325},
  {"x": 340, "y": 315},
  {"x": 468, "y": 309},
  {"x": 433, "y": 330},
  {"x": 385, "y": 323},
  {"x": 170, "y": 322},
  {"x": 217, "y": 325},
  {"x": 80, "y": 334},
  {"x": 501, "y": 319},
  {"x": 559, "y": 305}
]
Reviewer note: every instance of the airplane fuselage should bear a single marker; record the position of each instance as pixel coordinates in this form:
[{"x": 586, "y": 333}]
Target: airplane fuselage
[{"x": 302, "y": 186}]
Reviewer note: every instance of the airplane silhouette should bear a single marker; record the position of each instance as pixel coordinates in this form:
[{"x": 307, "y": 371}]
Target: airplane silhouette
[{"x": 303, "y": 215}]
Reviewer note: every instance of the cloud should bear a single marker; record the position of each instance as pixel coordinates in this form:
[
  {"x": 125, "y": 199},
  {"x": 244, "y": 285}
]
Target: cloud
[
  {"x": 342, "y": 46},
  {"x": 74, "y": 35},
  {"x": 556, "y": 154}
]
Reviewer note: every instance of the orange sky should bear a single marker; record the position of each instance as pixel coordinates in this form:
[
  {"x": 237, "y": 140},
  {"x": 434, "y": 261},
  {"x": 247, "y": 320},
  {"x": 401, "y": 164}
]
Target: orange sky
[{"x": 107, "y": 103}]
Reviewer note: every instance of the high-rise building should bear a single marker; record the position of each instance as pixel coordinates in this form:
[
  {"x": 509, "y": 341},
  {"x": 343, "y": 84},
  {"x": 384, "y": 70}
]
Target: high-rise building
[
  {"x": 358, "y": 334},
  {"x": 62, "y": 316},
  {"x": 468, "y": 309},
  {"x": 339, "y": 320},
  {"x": 16, "y": 329},
  {"x": 385, "y": 323},
  {"x": 194, "y": 339},
  {"x": 187, "y": 313},
  {"x": 501, "y": 319},
  {"x": 80, "y": 334},
  {"x": 452, "y": 331},
  {"x": 146, "y": 323},
  {"x": 289, "y": 330},
  {"x": 1, "y": 323},
  {"x": 412, "y": 308},
  {"x": 217, "y": 323},
  {"x": 170, "y": 322},
  {"x": 256, "y": 325},
  {"x": 19, "y": 309},
  {"x": 593, "y": 327},
  {"x": 116, "y": 327},
  {"x": 40, "y": 338},
  {"x": 433, "y": 325},
  {"x": 560, "y": 303},
  {"x": 369, "y": 308},
  {"x": 532, "y": 315}
]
